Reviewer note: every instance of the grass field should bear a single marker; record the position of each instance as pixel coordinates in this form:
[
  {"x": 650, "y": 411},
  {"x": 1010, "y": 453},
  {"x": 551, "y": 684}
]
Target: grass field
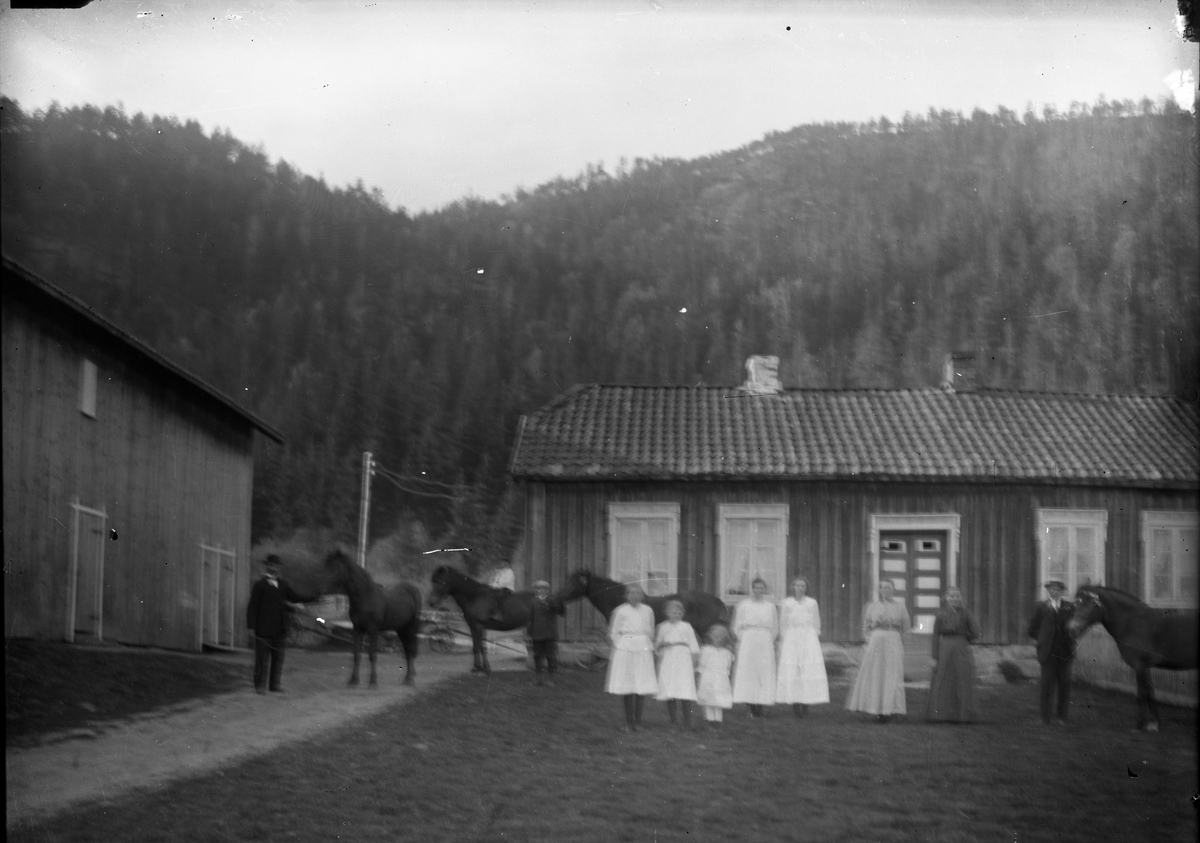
[{"x": 497, "y": 759}]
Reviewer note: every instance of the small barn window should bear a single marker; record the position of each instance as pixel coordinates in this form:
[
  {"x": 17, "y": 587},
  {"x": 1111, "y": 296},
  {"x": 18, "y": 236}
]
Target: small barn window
[
  {"x": 87, "y": 389},
  {"x": 929, "y": 546},
  {"x": 1169, "y": 559},
  {"x": 895, "y": 546}
]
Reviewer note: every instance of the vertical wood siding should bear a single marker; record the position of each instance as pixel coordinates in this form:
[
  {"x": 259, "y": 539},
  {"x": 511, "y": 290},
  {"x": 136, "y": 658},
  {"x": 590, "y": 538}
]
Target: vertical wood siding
[
  {"x": 170, "y": 468},
  {"x": 828, "y": 534}
]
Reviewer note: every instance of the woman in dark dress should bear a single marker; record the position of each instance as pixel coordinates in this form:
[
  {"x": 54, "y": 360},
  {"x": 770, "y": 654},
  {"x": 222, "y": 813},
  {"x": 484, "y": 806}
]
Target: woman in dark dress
[{"x": 952, "y": 691}]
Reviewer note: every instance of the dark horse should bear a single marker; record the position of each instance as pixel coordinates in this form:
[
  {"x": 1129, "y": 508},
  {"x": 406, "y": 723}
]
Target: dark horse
[
  {"x": 700, "y": 609},
  {"x": 375, "y": 609},
  {"x": 1146, "y": 638},
  {"x": 483, "y": 607}
]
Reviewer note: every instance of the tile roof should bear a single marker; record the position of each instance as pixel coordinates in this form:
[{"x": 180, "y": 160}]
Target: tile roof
[{"x": 601, "y": 432}]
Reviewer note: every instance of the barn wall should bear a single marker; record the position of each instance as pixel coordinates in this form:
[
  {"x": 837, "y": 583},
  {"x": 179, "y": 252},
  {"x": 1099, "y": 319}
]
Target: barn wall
[
  {"x": 170, "y": 468},
  {"x": 828, "y": 535}
]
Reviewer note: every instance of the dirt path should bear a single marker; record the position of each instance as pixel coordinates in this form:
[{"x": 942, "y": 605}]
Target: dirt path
[{"x": 148, "y": 751}]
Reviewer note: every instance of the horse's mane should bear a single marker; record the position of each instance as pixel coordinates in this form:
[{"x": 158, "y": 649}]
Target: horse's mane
[
  {"x": 464, "y": 582},
  {"x": 1116, "y": 592},
  {"x": 358, "y": 576}
]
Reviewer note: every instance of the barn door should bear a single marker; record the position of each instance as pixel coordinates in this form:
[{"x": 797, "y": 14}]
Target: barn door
[
  {"x": 217, "y": 610},
  {"x": 85, "y": 599},
  {"x": 916, "y": 563}
]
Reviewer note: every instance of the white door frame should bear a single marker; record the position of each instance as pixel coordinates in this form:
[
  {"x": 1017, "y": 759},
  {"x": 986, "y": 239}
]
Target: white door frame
[
  {"x": 229, "y": 584},
  {"x": 947, "y": 522},
  {"x": 78, "y": 510}
]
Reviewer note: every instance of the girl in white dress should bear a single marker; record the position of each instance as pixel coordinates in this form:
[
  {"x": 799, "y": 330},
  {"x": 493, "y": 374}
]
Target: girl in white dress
[
  {"x": 631, "y": 664},
  {"x": 755, "y": 627},
  {"x": 677, "y": 649},
  {"x": 802, "y": 680},
  {"x": 716, "y": 660}
]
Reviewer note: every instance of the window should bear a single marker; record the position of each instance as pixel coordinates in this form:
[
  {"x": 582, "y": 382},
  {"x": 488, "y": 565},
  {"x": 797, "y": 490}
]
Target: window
[
  {"x": 87, "y": 389},
  {"x": 753, "y": 544},
  {"x": 643, "y": 542},
  {"x": 1169, "y": 559},
  {"x": 1071, "y": 546}
]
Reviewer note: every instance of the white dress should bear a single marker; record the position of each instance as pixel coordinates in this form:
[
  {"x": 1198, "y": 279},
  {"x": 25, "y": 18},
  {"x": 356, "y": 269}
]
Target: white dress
[
  {"x": 677, "y": 649},
  {"x": 755, "y": 625},
  {"x": 714, "y": 688},
  {"x": 631, "y": 663},
  {"x": 802, "y": 676},
  {"x": 879, "y": 687}
]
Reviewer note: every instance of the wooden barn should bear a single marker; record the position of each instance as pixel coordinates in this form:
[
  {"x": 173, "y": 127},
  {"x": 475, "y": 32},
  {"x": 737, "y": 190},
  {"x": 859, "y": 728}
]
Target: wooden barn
[
  {"x": 127, "y": 483},
  {"x": 992, "y": 491}
]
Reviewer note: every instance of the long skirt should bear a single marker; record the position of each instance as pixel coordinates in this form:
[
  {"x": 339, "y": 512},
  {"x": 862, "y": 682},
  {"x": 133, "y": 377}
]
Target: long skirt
[
  {"x": 802, "y": 676},
  {"x": 952, "y": 690},
  {"x": 631, "y": 672},
  {"x": 754, "y": 671},
  {"x": 879, "y": 688}
]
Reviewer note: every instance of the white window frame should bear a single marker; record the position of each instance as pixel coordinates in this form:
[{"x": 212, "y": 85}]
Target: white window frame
[
  {"x": 1071, "y": 519},
  {"x": 727, "y": 512},
  {"x": 88, "y": 378},
  {"x": 1175, "y": 521},
  {"x": 642, "y": 511}
]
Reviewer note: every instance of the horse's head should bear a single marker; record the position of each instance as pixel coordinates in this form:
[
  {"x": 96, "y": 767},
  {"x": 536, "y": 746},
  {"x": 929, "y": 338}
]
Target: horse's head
[
  {"x": 1088, "y": 610},
  {"x": 575, "y": 587},
  {"x": 441, "y": 586}
]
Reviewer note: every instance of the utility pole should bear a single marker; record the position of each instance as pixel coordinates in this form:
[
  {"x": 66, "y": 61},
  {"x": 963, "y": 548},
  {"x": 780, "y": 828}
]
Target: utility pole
[{"x": 367, "y": 471}]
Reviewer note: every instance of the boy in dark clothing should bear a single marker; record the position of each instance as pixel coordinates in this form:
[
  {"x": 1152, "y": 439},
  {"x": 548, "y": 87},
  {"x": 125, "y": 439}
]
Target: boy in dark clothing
[
  {"x": 267, "y": 620},
  {"x": 543, "y": 631}
]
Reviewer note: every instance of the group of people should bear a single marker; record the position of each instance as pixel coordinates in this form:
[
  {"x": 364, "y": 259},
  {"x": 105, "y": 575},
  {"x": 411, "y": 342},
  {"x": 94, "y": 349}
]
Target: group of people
[
  {"x": 669, "y": 663},
  {"x": 773, "y": 656},
  {"x": 768, "y": 656}
]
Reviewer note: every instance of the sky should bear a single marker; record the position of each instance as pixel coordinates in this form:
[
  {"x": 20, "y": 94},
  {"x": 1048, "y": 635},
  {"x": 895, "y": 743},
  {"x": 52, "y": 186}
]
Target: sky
[{"x": 434, "y": 102}]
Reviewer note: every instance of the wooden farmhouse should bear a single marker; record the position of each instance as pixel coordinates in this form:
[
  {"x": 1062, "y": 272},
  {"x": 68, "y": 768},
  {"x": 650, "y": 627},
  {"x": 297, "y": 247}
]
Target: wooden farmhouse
[
  {"x": 127, "y": 483},
  {"x": 992, "y": 491}
]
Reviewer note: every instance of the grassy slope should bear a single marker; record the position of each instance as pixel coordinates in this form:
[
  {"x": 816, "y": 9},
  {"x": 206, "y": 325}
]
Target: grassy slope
[{"x": 497, "y": 759}]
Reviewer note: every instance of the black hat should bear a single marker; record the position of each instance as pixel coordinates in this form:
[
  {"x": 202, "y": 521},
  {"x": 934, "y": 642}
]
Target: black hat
[{"x": 272, "y": 561}]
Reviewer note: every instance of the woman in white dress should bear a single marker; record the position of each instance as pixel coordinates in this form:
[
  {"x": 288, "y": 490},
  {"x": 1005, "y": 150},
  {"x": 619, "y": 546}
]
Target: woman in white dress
[
  {"x": 755, "y": 627},
  {"x": 879, "y": 688},
  {"x": 631, "y": 664},
  {"x": 677, "y": 648},
  {"x": 802, "y": 680}
]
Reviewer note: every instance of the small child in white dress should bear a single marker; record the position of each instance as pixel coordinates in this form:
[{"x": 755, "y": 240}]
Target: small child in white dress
[
  {"x": 675, "y": 643},
  {"x": 716, "y": 663}
]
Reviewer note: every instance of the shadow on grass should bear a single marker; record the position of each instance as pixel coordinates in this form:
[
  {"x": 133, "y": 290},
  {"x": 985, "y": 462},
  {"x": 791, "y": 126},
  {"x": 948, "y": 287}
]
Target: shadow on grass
[{"x": 498, "y": 759}]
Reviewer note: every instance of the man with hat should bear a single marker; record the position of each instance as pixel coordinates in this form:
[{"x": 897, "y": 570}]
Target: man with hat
[
  {"x": 1055, "y": 650},
  {"x": 543, "y": 631},
  {"x": 267, "y": 620}
]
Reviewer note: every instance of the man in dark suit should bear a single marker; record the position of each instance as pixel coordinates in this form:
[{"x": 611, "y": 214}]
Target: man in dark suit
[
  {"x": 1055, "y": 650},
  {"x": 267, "y": 620}
]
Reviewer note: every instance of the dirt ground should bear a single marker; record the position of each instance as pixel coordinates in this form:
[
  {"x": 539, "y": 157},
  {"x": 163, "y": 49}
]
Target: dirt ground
[{"x": 50, "y": 771}]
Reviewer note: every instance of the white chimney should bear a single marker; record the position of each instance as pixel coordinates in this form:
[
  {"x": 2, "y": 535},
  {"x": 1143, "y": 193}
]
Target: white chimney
[
  {"x": 958, "y": 372},
  {"x": 762, "y": 375}
]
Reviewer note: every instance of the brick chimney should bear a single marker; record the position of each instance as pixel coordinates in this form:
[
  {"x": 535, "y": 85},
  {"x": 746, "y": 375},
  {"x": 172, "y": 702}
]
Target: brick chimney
[
  {"x": 959, "y": 373},
  {"x": 762, "y": 375}
]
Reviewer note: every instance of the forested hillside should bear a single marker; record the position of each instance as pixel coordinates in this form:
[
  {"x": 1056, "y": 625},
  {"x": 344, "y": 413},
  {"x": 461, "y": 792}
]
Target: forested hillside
[{"x": 1062, "y": 248}]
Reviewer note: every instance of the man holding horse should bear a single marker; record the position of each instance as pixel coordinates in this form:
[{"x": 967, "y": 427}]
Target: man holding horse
[
  {"x": 267, "y": 620},
  {"x": 1055, "y": 651}
]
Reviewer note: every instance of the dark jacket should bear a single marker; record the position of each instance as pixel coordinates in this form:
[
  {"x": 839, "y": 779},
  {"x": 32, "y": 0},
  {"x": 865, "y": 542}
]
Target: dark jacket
[
  {"x": 1050, "y": 629},
  {"x": 543, "y": 626},
  {"x": 267, "y": 612}
]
